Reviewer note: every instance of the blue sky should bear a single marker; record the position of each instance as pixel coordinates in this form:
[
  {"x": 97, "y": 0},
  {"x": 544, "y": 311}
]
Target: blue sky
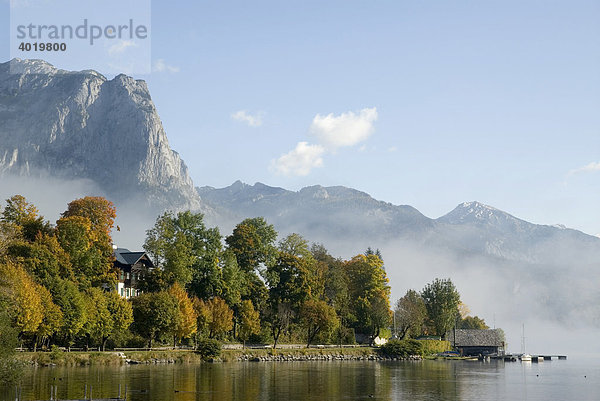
[{"x": 421, "y": 103}]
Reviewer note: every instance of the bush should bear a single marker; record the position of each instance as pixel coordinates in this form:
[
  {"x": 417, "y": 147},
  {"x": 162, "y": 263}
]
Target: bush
[
  {"x": 209, "y": 348},
  {"x": 431, "y": 347},
  {"x": 402, "y": 348}
]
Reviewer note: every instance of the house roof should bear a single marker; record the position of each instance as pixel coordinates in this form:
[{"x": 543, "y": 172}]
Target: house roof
[
  {"x": 477, "y": 338},
  {"x": 126, "y": 257}
]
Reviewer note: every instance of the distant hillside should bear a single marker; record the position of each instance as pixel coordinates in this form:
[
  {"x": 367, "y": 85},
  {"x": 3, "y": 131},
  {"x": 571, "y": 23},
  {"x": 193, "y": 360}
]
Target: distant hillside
[{"x": 340, "y": 213}]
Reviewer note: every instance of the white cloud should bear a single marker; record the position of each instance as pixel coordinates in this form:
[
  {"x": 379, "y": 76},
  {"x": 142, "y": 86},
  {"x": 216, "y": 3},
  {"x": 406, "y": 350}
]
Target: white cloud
[
  {"x": 590, "y": 168},
  {"x": 392, "y": 149},
  {"x": 245, "y": 117},
  {"x": 121, "y": 46},
  {"x": 161, "y": 66},
  {"x": 347, "y": 129},
  {"x": 299, "y": 161}
]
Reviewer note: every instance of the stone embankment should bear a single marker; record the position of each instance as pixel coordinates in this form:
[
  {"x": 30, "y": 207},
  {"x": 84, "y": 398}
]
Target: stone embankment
[{"x": 313, "y": 357}]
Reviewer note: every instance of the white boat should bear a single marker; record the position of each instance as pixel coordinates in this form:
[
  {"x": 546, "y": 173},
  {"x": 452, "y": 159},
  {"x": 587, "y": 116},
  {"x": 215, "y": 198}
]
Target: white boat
[{"x": 525, "y": 358}]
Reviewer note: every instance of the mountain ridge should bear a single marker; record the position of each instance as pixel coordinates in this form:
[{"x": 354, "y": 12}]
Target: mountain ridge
[{"x": 91, "y": 127}]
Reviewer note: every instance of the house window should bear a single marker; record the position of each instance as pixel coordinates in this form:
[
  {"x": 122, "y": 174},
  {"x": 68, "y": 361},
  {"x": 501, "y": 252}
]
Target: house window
[
  {"x": 122, "y": 294},
  {"x": 127, "y": 275},
  {"x": 122, "y": 275}
]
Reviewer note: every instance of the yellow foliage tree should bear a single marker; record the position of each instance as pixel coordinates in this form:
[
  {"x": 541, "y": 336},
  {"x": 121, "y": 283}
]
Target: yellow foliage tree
[
  {"x": 52, "y": 320},
  {"x": 249, "y": 321},
  {"x": 220, "y": 319},
  {"x": 185, "y": 320},
  {"x": 24, "y": 294}
]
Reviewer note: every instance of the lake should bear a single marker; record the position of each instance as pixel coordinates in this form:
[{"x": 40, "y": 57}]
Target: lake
[{"x": 343, "y": 380}]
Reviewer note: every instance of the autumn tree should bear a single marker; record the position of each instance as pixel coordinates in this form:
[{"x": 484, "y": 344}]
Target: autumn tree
[
  {"x": 24, "y": 215},
  {"x": 185, "y": 319},
  {"x": 121, "y": 313},
  {"x": 203, "y": 315},
  {"x": 84, "y": 231},
  {"x": 72, "y": 304},
  {"x": 249, "y": 321},
  {"x": 98, "y": 323},
  {"x": 52, "y": 319},
  {"x": 220, "y": 318},
  {"x": 441, "y": 301},
  {"x": 154, "y": 315},
  {"x": 23, "y": 296},
  {"x": 44, "y": 258},
  {"x": 472, "y": 322},
  {"x": 101, "y": 213},
  {"x": 410, "y": 314},
  {"x": 317, "y": 318}
]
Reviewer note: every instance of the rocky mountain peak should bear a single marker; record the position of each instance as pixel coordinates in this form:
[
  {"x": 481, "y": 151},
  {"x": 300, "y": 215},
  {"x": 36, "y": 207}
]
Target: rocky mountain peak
[{"x": 89, "y": 127}]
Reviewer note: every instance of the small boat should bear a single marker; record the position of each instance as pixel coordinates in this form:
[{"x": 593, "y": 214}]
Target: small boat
[{"x": 525, "y": 358}]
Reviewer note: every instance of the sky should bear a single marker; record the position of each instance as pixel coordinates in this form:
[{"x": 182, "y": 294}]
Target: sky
[{"x": 428, "y": 104}]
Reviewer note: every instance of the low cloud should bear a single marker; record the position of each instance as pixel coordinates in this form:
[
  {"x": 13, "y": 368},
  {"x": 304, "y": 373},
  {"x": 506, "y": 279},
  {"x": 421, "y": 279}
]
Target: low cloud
[
  {"x": 299, "y": 161},
  {"x": 332, "y": 132},
  {"x": 346, "y": 129},
  {"x": 589, "y": 168},
  {"x": 161, "y": 66},
  {"x": 247, "y": 118},
  {"x": 120, "y": 47}
]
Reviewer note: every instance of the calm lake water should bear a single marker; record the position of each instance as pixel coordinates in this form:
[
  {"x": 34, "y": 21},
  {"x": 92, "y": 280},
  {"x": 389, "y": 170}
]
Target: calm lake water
[{"x": 344, "y": 380}]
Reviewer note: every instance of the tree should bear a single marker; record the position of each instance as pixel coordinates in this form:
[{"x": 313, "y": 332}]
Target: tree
[
  {"x": 410, "y": 314},
  {"x": 185, "y": 318},
  {"x": 99, "y": 322},
  {"x": 369, "y": 294},
  {"x": 18, "y": 210},
  {"x": 296, "y": 245},
  {"x": 24, "y": 297},
  {"x": 121, "y": 313},
  {"x": 10, "y": 368},
  {"x": 72, "y": 305},
  {"x": 252, "y": 242},
  {"x": 52, "y": 319},
  {"x": 90, "y": 265},
  {"x": 335, "y": 287},
  {"x": 44, "y": 258},
  {"x": 186, "y": 251},
  {"x": 24, "y": 215},
  {"x": 203, "y": 314},
  {"x": 220, "y": 319},
  {"x": 317, "y": 318},
  {"x": 249, "y": 321},
  {"x": 288, "y": 288},
  {"x": 472, "y": 322},
  {"x": 154, "y": 315},
  {"x": 101, "y": 213},
  {"x": 441, "y": 301}
]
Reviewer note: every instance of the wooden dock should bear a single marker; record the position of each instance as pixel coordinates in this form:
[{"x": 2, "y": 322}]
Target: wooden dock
[{"x": 534, "y": 358}]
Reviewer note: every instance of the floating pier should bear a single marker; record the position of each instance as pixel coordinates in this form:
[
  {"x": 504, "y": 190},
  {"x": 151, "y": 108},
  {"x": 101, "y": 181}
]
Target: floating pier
[{"x": 534, "y": 358}]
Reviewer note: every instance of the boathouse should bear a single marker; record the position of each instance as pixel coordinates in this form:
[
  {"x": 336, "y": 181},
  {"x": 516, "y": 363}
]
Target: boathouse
[{"x": 472, "y": 342}]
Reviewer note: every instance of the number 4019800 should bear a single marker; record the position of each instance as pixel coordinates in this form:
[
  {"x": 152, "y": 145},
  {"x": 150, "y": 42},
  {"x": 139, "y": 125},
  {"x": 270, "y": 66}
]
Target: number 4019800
[{"x": 48, "y": 47}]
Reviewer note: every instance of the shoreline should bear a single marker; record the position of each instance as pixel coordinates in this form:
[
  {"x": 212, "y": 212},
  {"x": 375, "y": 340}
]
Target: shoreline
[{"x": 112, "y": 358}]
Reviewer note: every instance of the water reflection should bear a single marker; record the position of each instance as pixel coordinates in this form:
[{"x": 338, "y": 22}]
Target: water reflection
[{"x": 427, "y": 380}]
